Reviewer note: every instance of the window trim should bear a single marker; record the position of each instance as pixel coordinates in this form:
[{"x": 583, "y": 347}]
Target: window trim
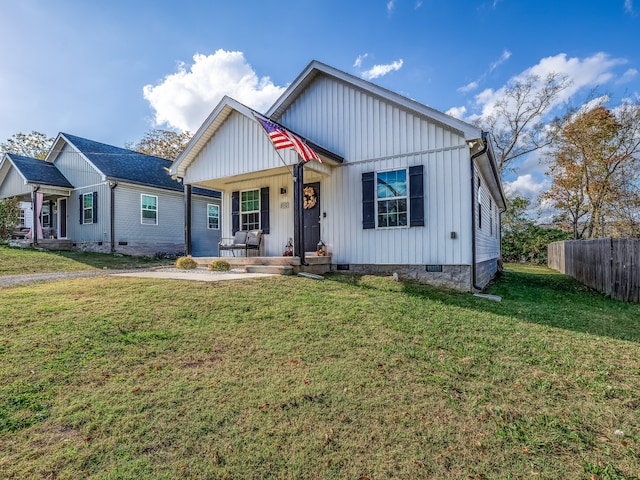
[
  {"x": 85, "y": 208},
  {"x": 407, "y": 198},
  {"x": 257, "y": 212},
  {"x": 22, "y": 217},
  {"x": 142, "y": 209},
  {"x": 209, "y": 227}
]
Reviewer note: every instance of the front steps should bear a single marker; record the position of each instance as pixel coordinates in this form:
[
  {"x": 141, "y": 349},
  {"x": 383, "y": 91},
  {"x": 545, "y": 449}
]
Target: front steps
[
  {"x": 273, "y": 269},
  {"x": 276, "y": 265}
]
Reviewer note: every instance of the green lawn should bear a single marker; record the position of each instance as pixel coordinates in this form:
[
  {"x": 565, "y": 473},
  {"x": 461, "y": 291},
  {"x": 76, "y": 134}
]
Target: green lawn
[
  {"x": 16, "y": 261},
  {"x": 346, "y": 378}
]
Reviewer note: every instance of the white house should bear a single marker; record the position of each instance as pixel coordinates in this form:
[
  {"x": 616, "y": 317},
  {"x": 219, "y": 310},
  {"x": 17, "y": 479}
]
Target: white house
[{"x": 402, "y": 188}]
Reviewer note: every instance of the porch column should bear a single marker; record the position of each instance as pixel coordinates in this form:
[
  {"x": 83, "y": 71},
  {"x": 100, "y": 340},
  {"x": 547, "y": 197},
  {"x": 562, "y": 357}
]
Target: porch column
[
  {"x": 298, "y": 212},
  {"x": 187, "y": 219},
  {"x": 34, "y": 211}
]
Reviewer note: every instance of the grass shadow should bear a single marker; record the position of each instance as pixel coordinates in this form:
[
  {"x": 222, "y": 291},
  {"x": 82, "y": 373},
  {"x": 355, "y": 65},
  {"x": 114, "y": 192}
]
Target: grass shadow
[{"x": 537, "y": 295}]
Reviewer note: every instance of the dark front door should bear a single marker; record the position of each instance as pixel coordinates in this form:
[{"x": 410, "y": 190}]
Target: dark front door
[
  {"x": 311, "y": 214},
  {"x": 62, "y": 215}
]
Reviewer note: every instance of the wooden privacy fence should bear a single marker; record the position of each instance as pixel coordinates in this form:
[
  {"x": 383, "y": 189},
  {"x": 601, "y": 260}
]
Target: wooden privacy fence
[{"x": 608, "y": 265}]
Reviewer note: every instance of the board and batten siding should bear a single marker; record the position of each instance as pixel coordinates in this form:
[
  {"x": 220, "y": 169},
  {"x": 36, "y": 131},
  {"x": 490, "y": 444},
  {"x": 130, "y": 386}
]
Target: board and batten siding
[
  {"x": 76, "y": 169},
  {"x": 204, "y": 240},
  {"x": 239, "y": 147},
  {"x": 165, "y": 237},
  {"x": 375, "y": 135},
  {"x": 13, "y": 184},
  {"x": 280, "y": 210},
  {"x": 94, "y": 232},
  {"x": 487, "y": 235}
]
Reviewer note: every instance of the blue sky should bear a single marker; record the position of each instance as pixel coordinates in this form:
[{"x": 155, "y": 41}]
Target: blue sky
[{"x": 110, "y": 71}]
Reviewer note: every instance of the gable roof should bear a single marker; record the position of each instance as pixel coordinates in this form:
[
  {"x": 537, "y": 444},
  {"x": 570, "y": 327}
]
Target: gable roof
[
  {"x": 316, "y": 68},
  {"x": 121, "y": 164},
  {"x": 38, "y": 172},
  {"x": 214, "y": 121}
]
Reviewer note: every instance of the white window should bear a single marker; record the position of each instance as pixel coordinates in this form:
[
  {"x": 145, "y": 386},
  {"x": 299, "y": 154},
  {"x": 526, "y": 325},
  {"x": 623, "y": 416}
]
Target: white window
[
  {"x": 391, "y": 198},
  {"x": 250, "y": 210},
  {"x": 213, "y": 216},
  {"x": 149, "y": 209},
  {"x": 22, "y": 217},
  {"x": 87, "y": 208}
]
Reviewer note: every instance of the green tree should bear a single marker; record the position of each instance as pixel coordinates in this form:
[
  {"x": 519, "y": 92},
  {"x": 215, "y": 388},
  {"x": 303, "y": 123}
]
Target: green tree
[
  {"x": 9, "y": 216},
  {"x": 162, "y": 143},
  {"x": 522, "y": 239},
  {"x": 34, "y": 145},
  {"x": 595, "y": 170}
]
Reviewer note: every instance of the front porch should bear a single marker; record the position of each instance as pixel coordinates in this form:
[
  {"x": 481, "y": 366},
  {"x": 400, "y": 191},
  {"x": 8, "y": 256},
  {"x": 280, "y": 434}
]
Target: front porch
[
  {"x": 283, "y": 265},
  {"x": 44, "y": 243}
]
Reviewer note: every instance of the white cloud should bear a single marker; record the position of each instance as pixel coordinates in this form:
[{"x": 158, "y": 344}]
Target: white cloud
[
  {"x": 526, "y": 186},
  {"x": 390, "y": 6},
  {"x": 417, "y": 5},
  {"x": 457, "y": 112},
  {"x": 506, "y": 54},
  {"x": 588, "y": 72},
  {"x": 381, "y": 70},
  {"x": 628, "y": 76},
  {"x": 628, "y": 6},
  {"x": 358, "y": 62},
  {"x": 469, "y": 87},
  {"x": 183, "y": 99}
]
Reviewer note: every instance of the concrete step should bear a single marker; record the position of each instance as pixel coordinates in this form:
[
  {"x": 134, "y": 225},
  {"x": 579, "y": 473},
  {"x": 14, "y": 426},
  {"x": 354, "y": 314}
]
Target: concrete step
[{"x": 274, "y": 269}]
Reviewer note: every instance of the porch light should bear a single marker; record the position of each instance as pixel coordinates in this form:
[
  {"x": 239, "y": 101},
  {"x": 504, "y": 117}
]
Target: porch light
[{"x": 321, "y": 249}]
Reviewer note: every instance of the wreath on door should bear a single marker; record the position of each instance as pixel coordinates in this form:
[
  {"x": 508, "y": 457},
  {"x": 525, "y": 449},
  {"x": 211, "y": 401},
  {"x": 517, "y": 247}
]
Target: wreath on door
[{"x": 310, "y": 198}]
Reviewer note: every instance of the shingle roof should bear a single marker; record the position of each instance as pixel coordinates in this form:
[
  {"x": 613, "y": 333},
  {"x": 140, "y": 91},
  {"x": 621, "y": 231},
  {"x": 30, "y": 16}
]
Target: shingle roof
[
  {"x": 129, "y": 166},
  {"x": 39, "y": 171}
]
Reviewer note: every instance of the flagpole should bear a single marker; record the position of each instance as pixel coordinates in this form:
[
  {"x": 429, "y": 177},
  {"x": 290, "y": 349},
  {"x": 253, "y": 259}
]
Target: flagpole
[{"x": 288, "y": 167}]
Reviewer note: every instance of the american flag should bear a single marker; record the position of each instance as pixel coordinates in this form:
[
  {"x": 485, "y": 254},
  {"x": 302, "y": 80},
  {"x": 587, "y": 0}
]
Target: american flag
[{"x": 282, "y": 138}]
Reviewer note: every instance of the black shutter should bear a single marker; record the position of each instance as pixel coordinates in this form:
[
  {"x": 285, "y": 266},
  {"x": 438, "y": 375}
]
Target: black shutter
[
  {"x": 81, "y": 209},
  {"x": 95, "y": 207},
  {"x": 368, "y": 200},
  {"x": 416, "y": 196},
  {"x": 235, "y": 212},
  {"x": 264, "y": 209}
]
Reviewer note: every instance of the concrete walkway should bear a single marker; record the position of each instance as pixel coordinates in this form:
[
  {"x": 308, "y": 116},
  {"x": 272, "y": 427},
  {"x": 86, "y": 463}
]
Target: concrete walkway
[{"x": 198, "y": 275}]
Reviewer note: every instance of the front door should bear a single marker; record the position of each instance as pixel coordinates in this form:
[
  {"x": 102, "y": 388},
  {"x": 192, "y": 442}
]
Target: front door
[
  {"x": 311, "y": 214},
  {"x": 62, "y": 218}
]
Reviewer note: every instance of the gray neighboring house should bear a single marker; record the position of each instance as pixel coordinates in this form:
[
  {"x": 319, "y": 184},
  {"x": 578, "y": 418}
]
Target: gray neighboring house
[{"x": 102, "y": 198}]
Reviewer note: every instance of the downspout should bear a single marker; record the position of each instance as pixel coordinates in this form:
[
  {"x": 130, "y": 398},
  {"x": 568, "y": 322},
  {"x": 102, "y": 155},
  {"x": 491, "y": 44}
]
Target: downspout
[
  {"x": 485, "y": 147},
  {"x": 112, "y": 220},
  {"x": 34, "y": 211}
]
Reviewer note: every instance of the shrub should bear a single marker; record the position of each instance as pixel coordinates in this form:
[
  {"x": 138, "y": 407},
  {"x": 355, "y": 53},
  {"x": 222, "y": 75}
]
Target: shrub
[
  {"x": 9, "y": 216},
  {"x": 219, "y": 266},
  {"x": 186, "y": 263}
]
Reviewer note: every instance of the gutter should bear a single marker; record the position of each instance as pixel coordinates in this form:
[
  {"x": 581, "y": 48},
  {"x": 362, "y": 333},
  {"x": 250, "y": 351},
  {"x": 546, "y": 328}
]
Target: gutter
[{"x": 474, "y": 281}]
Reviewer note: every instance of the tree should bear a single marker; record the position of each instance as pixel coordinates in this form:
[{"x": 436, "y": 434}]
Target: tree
[
  {"x": 34, "y": 145},
  {"x": 522, "y": 239},
  {"x": 515, "y": 120},
  {"x": 162, "y": 143},
  {"x": 9, "y": 216},
  {"x": 595, "y": 170}
]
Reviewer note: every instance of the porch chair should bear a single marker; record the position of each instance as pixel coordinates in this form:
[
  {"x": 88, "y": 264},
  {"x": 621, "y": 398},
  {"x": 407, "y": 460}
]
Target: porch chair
[{"x": 242, "y": 241}]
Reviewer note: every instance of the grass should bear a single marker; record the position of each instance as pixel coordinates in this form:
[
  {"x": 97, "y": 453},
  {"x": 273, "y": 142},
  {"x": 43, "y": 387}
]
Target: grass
[
  {"x": 16, "y": 261},
  {"x": 286, "y": 377}
]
